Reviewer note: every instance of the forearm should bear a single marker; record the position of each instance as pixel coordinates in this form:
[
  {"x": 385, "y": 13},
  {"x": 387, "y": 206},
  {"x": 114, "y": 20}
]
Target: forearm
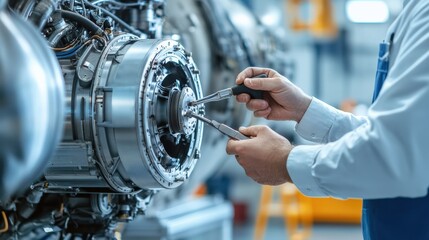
[
  {"x": 385, "y": 158},
  {"x": 327, "y": 172}
]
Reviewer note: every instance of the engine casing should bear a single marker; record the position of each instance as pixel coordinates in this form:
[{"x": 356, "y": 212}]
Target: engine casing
[{"x": 124, "y": 128}]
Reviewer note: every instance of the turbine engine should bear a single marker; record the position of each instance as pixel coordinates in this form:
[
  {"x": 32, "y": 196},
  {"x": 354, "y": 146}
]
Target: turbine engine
[{"x": 125, "y": 134}]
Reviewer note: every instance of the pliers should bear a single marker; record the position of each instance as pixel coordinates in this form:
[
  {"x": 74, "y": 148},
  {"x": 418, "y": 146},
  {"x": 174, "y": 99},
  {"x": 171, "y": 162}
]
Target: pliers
[
  {"x": 228, "y": 131},
  {"x": 228, "y": 92},
  {"x": 224, "y": 94}
]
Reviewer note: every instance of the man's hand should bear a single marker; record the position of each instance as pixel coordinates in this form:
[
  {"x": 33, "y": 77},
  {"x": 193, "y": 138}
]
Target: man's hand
[
  {"x": 283, "y": 101},
  {"x": 264, "y": 156}
]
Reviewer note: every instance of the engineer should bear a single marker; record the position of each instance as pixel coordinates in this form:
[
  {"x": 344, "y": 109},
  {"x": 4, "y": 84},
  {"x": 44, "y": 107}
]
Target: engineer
[{"x": 382, "y": 158}]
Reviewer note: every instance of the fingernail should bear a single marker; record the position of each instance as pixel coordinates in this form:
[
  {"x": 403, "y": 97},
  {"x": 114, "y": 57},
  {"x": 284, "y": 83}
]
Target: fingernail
[{"x": 241, "y": 128}]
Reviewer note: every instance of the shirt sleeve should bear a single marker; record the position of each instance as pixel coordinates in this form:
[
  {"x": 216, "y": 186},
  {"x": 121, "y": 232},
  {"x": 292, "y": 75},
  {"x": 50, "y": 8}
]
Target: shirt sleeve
[
  {"x": 323, "y": 123},
  {"x": 388, "y": 156}
]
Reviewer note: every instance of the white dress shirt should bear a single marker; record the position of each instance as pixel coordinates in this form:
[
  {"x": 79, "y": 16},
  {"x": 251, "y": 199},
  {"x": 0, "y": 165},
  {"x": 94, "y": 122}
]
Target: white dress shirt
[{"x": 385, "y": 154}]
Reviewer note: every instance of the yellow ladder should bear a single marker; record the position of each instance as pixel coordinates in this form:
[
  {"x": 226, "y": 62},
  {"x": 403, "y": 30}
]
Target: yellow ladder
[{"x": 295, "y": 209}]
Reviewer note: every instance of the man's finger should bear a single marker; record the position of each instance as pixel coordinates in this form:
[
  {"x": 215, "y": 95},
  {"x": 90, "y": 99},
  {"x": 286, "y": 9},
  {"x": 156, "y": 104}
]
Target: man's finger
[
  {"x": 262, "y": 113},
  {"x": 265, "y": 84},
  {"x": 244, "y": 97},
  {"x": 231, "y": 146},
  {"x": 257, "y": 105},
  {"x": 251, "y": 72}
]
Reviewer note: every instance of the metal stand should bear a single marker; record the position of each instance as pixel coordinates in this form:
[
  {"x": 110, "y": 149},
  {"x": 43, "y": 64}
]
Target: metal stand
[{"x": 205, "y": 218}]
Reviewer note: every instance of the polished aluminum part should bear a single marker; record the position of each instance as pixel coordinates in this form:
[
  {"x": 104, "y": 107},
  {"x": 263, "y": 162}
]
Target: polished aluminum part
[
  {"x": 31, "y": 104},
  {"x": 208, "y": 218},
  {"x": 125, "y": 128}
]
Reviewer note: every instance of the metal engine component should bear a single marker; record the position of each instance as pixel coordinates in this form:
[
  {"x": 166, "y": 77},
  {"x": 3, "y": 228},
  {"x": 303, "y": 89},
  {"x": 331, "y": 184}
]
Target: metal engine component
[
  {"x": 125, "y": 128},
  {"x": 125, "y": 136},
  {"x": 146, "y": 17},
  {"x": 31, "y": 103}
]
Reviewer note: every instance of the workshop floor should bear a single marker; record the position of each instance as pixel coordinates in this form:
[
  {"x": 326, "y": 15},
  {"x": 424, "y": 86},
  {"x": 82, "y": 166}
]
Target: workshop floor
[{"x": 276, "y": 230}]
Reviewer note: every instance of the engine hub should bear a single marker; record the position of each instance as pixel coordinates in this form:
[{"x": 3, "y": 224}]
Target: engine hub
[{"x": 178, "y": 106}]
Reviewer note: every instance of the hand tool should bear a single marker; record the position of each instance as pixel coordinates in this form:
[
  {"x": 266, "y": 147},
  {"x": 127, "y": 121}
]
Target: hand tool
[
  {"x": 233, "y": 91},
  {"x": 228, "y": 131}
]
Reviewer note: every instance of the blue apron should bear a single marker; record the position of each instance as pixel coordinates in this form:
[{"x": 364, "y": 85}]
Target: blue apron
[{"x": 394, "y": 218}]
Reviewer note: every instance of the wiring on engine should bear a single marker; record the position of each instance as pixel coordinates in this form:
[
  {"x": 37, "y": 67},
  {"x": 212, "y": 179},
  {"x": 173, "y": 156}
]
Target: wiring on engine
[
  {"x": 69, "y": 46},
  {"x": 6, "y": 223},
  {"x": 70, "y": 52}
]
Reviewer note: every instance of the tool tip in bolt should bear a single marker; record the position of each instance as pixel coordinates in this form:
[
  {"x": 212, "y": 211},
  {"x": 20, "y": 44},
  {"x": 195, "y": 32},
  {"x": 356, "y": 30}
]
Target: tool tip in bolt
[{"x": 188, "y": 113}]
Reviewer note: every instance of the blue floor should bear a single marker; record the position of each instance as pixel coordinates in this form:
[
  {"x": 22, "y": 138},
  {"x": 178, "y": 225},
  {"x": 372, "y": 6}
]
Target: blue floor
[{"x": 276, "y": 230}]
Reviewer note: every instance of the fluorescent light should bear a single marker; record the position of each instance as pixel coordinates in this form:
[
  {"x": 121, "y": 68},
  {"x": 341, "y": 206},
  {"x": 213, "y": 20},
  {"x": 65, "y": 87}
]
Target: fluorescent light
[
  {"x": 367, "y": 11},
  {"x": 271, "y": 17}
]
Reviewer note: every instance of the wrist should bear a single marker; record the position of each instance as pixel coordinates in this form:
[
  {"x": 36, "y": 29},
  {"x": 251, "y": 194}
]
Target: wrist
[
  {"x": 303, "y": 106},
  {"x": 285, "y": 159}
]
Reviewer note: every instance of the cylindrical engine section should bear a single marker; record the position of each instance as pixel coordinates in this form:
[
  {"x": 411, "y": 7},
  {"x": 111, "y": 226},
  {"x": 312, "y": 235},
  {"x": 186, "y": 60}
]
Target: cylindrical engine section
[
  {"x": 127, "y": 128},
  {"x": 141, "y": 92}
]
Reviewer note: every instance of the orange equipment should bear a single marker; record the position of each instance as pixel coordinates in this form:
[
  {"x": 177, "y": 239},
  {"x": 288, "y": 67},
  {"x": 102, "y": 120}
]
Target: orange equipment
[
  {"x": 322, "y": 24},
  {"x": 299, "y": 212},
  {"x": 294, "y": 208}
]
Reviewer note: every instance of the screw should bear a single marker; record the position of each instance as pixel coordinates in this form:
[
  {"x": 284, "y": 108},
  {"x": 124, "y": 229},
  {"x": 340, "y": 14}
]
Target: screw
[{"x": 197, "y": 154}]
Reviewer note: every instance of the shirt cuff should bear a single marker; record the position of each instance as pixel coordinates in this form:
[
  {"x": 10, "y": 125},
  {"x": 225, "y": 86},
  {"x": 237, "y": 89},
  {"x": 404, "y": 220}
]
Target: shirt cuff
[
  {"x": 316, "y": 121},
  {"x": 299, "y": 165}
]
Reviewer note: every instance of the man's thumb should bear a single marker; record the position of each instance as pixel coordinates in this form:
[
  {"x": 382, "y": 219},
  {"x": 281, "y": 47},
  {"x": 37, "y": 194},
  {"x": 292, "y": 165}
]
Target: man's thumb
[
  {"x": 265, "y": 84},
  {"x": 251, "y": 131}
]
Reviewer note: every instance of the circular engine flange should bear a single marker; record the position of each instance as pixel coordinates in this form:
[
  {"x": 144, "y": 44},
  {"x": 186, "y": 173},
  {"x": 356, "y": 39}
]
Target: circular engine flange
[{"x": 141, "y": 90}]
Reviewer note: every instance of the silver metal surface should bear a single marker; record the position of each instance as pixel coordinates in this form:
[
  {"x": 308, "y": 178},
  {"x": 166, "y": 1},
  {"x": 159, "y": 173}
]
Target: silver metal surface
[
  {"x": 125, "y": 136},
  {"x": 31, "y": 103},
  {"x": 129, "y": 108},
  {"x": 207, "y": 218},
  {"x": 159, "y": 168},
  {"x": 187, "y": 124}
]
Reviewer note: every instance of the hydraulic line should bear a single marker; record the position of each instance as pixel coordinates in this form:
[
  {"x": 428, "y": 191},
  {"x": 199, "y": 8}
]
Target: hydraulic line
[
  {"x": 86, "y": 23},
  {"x": 6, "y": 223},
  {"x": 41, "y": 13}
]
